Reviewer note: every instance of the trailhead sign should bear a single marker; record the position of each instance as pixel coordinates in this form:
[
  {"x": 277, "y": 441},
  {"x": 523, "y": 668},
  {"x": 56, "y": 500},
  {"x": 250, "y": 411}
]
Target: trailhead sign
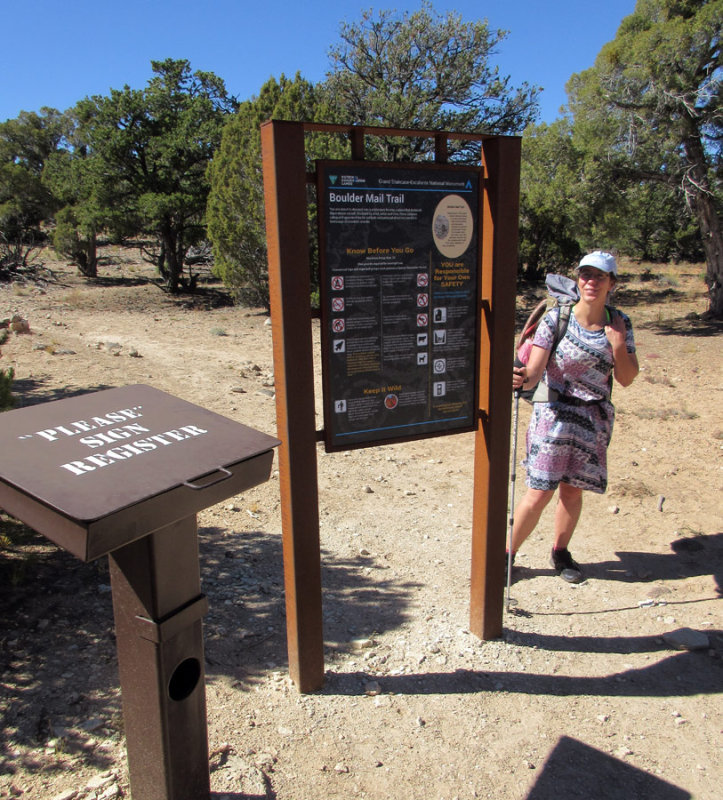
[{"x": 399, "y": 256}]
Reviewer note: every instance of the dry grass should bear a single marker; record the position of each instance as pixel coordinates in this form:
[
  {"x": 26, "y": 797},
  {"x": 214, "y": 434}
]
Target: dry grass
[
  {"x": 662, "y": 380},
  {"x": 665, "y": 413},
  {"x": 631, "y": 488},
  {"x": 76, "y": 298}
]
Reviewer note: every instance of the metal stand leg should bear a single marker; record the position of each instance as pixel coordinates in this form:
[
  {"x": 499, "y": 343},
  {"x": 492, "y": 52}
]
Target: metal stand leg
[{"x": 158, "y": 607}]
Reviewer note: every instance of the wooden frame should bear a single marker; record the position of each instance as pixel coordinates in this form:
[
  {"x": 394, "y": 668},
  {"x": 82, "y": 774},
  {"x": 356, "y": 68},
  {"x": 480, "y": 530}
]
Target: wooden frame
[{"x": 285, "y": 181}]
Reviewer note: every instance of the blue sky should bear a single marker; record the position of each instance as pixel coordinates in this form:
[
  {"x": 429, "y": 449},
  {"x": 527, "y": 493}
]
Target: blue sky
[{"x": 54, "y": 54}]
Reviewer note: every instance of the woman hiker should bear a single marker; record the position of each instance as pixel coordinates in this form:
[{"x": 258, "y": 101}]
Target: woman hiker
[{"x": 569, "y": 434}]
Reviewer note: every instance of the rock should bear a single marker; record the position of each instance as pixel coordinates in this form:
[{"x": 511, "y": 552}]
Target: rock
[
  {"x": 92, "y": 724},
  {"x": 372, "y": 688},
  {"x": 341, "y": 768},
  {"x": 68, "y": 794},
  {"x": 19, "y": 325},
  {"x": 250, "y": 779},
  {"x": 661, "y": 500},
  {"x": 100, "y": 781},
  {"x": 265, "y": 761},
  {"x": 657, "y": 591},
  {"x": 686, "y": 639},
  {"x": 369, "y": 490},
  {"x": 614, "y": 509}
]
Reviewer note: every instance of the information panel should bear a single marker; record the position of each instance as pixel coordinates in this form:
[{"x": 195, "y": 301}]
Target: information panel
[{"x": 399, "y": 262}]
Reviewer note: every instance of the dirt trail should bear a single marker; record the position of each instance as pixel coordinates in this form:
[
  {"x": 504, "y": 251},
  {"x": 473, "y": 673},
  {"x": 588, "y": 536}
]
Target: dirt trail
[{"x": 584, "y": 696}]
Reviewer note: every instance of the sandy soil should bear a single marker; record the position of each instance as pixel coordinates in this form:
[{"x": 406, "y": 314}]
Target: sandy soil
[{"x": 584, "y": 696}]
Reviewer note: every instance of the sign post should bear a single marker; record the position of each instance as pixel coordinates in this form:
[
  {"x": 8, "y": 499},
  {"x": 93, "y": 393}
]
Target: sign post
[
  {"x": 501, "y": 156},
  {"x": 289, "y": 288}
]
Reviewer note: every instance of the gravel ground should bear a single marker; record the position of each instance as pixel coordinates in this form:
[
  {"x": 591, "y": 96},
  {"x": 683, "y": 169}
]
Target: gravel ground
[{"x": 591, "y": 691}]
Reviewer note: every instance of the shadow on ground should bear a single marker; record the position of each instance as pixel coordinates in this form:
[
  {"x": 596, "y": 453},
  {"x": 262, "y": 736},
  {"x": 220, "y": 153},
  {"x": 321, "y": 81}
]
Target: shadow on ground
[
  {"x": 575, "y": 770},
  {"x": 33, "y": 391},
  {"x": 58, "y": 659},
  {"x": 692, "y": 325},
  {"x": 680, "y": 675},
  {"x": 689, "y": 325},
  {"x": 690, "y": 556}
]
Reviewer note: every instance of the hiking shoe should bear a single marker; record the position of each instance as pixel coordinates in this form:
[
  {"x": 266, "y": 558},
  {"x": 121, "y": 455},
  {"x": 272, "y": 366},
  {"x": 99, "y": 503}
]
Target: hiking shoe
[{"x": 563, "y": 563}]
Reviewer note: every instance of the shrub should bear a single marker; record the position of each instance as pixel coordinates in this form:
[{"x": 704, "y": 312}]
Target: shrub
[{"x": 6, "y": 381}]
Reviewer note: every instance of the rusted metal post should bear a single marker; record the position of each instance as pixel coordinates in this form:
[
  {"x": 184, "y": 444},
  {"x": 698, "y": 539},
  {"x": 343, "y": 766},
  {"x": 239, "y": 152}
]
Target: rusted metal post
[
  {"x": 158, "y": 607},
  {"x": 290, "y": 293},
  {"x": 356, "y": 137},
  {"x": 441, "y": 153},
  {"x": 501, "y": 158}
]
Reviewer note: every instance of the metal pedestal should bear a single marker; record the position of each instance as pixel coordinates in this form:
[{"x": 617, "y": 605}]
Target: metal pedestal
[
  {"x": 123, "y": 473},
  {"x": 158, "y": 606}
]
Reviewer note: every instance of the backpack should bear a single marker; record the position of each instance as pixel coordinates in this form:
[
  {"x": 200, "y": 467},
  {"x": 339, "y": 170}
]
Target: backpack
[{"x": 563, "y": 294}]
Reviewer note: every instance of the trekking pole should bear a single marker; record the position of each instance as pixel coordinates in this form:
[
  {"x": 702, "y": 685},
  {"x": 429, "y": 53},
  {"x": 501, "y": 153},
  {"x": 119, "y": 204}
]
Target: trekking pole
[{"x": 513, "y": 474}]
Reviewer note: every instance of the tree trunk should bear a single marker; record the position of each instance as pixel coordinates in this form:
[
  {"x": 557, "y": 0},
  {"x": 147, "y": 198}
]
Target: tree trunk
[
  {"x": 702, "y": 202},
  {"x": 173, "y": 268},
  {"x": 533, "y": 269},
  {"x": 89, "y": 262},
  {"x": 710, "y": 229}
]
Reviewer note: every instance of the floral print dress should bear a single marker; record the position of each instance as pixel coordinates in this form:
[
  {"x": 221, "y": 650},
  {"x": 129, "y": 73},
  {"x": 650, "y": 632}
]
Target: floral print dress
[{"x": 567, "y": 439}]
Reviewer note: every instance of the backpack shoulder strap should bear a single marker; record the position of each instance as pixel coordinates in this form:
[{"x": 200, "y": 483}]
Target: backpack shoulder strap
[
  {"x": 563, "y": 318},
  {"x": 609, "y": 311},
  {"x": 538, "y": 312}
]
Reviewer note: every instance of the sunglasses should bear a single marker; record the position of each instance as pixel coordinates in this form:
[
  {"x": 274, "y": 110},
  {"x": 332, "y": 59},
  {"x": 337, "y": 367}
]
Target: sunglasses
[{"x": 587, "y": 275}]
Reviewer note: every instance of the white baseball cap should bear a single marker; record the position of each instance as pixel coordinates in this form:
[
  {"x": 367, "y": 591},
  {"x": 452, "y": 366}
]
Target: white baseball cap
[{"x": 600, "y": 260}]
